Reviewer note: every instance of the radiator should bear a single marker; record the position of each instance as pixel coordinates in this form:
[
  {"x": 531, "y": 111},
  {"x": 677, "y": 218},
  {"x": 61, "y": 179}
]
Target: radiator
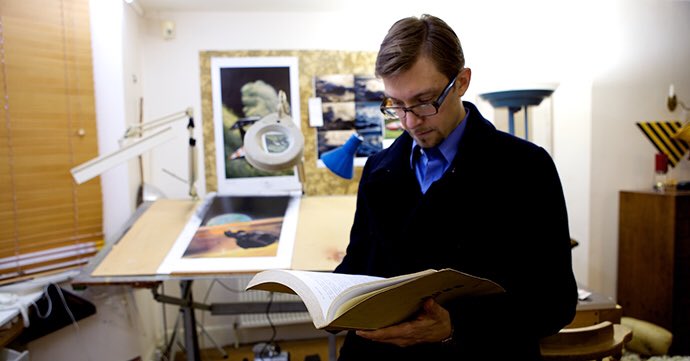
[{"x": 260, "y": 319}]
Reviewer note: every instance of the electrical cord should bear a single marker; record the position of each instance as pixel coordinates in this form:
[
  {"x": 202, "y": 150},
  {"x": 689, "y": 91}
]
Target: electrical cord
[
  {"x": 228, "y": 287},
  {"x": 49, "y": 301},
  {"x": 271, "y": 342},
  {"x": 64, "y": 303},
  {"x": 274, "y": 331},
  {"x": 165, "y": 322},
  {"x": 49, "y": 311},
  {"x": 208, "y": 293}
]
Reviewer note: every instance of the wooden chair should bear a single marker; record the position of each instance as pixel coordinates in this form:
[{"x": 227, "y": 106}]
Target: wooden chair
[{"x": 595, "y": 342}]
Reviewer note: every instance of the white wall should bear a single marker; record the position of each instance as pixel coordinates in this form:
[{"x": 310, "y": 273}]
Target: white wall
[
  {"x": 107, "y": 29},
  {"x": 652, "y": 50}
]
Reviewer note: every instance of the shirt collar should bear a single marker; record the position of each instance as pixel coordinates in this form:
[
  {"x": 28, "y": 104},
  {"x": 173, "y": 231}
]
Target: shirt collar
[{"x": 449, "y": 146}]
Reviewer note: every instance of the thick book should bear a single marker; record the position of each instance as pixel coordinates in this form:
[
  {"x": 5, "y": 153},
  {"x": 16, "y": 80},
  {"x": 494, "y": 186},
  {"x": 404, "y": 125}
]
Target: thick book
[{"x": 342, "y": 301}]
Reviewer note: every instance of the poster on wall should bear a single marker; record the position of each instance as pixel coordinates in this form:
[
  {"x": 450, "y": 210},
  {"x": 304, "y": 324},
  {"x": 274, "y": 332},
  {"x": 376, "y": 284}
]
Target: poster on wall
[
  {"x": 238, "y": 233},
  {"x": 350, "y": 104},
  {"x": 244, "y": 90}
]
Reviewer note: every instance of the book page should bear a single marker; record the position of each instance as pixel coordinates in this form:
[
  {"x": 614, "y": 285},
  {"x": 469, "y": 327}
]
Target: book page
[
  {"x": 343, "y": 301},
  {"x": 398, "y": 302},
  {"x": 377, "y": 285},
  {"x": 327, "y": 286}
]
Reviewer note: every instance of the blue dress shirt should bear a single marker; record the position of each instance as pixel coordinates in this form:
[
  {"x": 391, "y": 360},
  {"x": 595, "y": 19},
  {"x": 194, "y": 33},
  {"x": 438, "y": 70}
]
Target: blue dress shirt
[{"x": 430, "y": 164}]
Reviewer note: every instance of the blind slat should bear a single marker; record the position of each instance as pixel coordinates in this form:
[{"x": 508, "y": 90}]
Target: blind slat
[
  {"x": 48, "y": 246},
  {"x": 43, "y": 256}
]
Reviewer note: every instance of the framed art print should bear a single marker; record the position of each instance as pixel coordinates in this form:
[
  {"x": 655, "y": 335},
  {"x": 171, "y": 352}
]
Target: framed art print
[{"x": 244, "y": 90}]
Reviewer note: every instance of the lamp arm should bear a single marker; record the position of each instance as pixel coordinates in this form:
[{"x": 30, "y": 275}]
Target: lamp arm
[
  {"x": 192, "y": 157},
  {"x": 283, "y": 105},
  {"x": 138, "y": 129}
]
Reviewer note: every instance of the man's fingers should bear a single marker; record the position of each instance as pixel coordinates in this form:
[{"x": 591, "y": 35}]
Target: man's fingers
[{"x": 429, "y": 326}]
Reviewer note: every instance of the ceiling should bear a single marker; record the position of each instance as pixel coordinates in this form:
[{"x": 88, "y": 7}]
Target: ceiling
[
  {"x": 266, "y": 5},
  {"x": 241, "y": 5}
]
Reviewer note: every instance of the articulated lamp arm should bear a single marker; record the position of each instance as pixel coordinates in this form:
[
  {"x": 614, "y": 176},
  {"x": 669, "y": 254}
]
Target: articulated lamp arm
[{"x": 139, "y": 144}]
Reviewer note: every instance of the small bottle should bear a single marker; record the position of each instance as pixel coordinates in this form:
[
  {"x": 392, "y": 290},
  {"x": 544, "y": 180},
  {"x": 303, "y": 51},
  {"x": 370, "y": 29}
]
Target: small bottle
[{"x": 660, "y": 172}]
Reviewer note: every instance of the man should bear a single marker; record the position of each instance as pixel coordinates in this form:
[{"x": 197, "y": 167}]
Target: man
[{"x": 452, "y": 191}]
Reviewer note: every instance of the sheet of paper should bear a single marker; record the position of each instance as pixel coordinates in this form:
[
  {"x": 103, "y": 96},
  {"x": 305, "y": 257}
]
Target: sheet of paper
[
  {"x": 583, "y": 294},
  {"x": 315, "y": 112}
]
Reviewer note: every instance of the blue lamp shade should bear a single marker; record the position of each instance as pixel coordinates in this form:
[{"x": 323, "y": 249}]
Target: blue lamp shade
[{"x": 341, "y": 160}]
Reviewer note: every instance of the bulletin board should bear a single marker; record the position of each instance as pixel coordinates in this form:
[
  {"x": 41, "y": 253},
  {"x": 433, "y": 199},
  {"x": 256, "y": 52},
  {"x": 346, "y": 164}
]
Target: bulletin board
[{"x": 318, "y": 181}]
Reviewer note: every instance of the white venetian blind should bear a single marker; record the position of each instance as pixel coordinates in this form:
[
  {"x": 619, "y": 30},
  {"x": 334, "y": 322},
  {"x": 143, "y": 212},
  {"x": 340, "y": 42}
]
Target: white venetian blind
[{"x": 47, "y": 126}]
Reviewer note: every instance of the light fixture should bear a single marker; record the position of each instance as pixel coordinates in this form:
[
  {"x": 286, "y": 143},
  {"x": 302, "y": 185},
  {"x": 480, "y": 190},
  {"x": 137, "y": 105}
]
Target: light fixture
[
  {"x": 274, "y": 142},
  {"x": 341, "y": 160},
  {"x": 142, "y": 143},
  {"x": 672, "y": 103},
  {"x": 515, "y": 100},
  {"x": 135, "y": 5}
]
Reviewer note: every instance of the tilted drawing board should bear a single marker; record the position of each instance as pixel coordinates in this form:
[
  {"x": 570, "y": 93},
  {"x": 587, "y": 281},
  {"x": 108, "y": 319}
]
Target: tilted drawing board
[{"x": 321, "y": 237}]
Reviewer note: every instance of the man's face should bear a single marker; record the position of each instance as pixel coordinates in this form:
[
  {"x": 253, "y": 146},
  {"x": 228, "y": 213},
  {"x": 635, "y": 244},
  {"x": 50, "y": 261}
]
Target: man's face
[{"x": 423, "y": 83}]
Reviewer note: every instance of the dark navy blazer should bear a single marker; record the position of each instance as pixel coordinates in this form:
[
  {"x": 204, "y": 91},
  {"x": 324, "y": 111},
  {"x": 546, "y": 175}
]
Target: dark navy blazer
[{"x": 498, "y": 212}]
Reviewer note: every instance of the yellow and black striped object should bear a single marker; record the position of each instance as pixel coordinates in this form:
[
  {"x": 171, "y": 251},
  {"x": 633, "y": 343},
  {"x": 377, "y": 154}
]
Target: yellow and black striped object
[{"x": 663, "y": 137}]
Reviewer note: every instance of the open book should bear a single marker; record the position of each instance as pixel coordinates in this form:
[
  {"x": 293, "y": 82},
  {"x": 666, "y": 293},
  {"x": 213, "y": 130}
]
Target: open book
[{"x": 341, "y": 301}]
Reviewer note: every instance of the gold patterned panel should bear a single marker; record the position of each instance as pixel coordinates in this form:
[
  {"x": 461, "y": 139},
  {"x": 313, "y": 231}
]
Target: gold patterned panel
[{"x": 318, "y": 181}]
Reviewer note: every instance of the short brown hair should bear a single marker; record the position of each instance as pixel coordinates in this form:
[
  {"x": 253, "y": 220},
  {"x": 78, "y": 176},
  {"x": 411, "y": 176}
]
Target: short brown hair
[{"x": 412, "y": 37}]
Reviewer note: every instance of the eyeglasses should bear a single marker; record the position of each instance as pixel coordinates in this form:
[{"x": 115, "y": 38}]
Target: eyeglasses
[{"x": 420, "y": 110}]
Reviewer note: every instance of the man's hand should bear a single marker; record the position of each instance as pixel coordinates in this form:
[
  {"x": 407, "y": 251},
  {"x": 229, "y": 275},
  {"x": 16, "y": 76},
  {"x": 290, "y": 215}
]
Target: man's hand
[{"x": 431, "y": 325}]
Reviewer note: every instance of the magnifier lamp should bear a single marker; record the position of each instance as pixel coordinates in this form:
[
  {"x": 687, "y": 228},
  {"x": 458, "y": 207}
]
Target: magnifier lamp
[
  {"x": 142, "y": 142},
  {"x": 274, "y": 142}
]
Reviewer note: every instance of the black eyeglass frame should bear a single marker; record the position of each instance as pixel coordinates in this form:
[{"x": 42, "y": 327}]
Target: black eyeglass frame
[{"x": 392, "y": 111}]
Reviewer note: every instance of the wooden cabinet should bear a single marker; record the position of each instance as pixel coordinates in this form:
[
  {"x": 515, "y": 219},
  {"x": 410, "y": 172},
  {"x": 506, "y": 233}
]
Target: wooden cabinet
[{"x": 654, "y": 261}]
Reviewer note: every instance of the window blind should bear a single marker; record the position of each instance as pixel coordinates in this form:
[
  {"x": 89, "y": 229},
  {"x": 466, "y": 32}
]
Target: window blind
[{"x": 47, "y": 222}]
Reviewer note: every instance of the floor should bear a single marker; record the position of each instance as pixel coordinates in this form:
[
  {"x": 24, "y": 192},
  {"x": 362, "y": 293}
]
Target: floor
[
  {"x": 298, "y": 351},
  {"x": 628, "y": 356}
]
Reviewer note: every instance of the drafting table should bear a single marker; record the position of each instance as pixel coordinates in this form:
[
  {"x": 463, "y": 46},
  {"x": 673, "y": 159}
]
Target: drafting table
[{"x": 323, "y": 229}]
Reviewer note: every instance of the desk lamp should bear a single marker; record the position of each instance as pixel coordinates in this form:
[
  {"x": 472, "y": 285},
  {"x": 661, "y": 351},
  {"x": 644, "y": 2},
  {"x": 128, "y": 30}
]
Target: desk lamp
[
  {"x": 515, "y": 100},
  {"x": 341, "y": 160}
]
